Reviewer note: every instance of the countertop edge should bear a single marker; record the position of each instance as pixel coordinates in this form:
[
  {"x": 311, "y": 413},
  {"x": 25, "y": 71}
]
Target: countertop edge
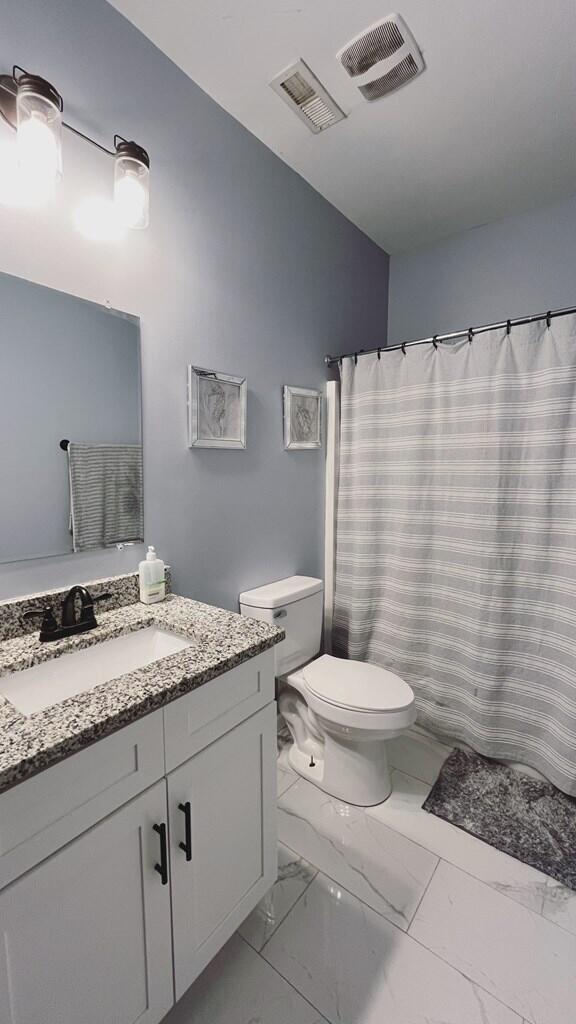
[{"x": 91, "y": 720}]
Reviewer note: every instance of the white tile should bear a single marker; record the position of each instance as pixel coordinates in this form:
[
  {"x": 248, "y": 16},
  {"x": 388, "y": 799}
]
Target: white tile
[
  {"x": 239, "y": 987},
  {"x": 294, "y": 876},
  {"x": 403, "y": 812},
  {"x": 518, "y": 956},
  {"x": 560, "y": 905},
  {"x": 358, "y": 968},
  {"x": 418, "y": 755},
  {"x": 380, "y": 866}
]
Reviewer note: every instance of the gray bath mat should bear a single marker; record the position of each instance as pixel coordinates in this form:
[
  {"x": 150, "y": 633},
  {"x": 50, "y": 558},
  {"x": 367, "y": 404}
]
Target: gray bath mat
[{"x": 528, "y": 819}]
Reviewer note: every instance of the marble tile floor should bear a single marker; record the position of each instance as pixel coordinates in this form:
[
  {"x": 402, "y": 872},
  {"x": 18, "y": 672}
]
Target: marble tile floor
[{"x": 392, "y": 916}]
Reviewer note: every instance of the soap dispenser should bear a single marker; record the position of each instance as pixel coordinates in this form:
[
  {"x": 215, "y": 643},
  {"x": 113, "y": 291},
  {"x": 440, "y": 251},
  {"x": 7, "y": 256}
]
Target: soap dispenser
[{"x": 152, "y": 578}]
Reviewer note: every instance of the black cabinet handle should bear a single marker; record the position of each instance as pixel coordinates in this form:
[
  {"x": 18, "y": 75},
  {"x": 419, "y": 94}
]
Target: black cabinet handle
[
  {"x": 187, "y": 844},
  {"x": 162, "y": 867}
]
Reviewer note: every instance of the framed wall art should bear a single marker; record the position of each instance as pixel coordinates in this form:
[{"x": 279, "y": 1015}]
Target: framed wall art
[
  {"x": 216, "y": 409},
  {"x": 302, "y": 418}
]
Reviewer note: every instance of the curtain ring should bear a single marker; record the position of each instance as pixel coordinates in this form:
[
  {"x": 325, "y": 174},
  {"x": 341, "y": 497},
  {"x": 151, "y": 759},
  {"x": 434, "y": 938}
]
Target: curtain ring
[
  {"x": 470, "y": 335},
  {"x": 379, "y": 351},
  {"x": 548, "y": 318},
  {"x": 435, "y": 341},
  {"x": 403, "y": 347},
  {"x": 355, "y": 359},
  {"x": 508, "y": 326}
]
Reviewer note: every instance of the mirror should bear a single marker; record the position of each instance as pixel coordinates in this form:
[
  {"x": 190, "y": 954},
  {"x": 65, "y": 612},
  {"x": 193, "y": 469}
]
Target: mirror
[{"x": 69, "y": 370}]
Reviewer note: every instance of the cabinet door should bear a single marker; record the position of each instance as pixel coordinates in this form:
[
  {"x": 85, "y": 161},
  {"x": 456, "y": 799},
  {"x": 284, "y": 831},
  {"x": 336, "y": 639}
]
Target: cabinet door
[
  {"x": 85, "y": 936},
  {"x": 225, "y": 798}
]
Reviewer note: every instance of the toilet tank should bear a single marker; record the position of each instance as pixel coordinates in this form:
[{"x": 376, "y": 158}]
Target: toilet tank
[{"x": 295, "y": 605}]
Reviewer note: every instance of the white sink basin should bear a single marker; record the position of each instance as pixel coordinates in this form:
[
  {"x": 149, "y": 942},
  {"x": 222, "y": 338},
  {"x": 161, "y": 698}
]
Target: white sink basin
[{"x": 53, "y": 681}]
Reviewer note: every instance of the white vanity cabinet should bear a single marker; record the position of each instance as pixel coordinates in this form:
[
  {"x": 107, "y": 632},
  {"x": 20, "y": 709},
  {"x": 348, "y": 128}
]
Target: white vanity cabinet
[
  {"x": 119, "y": 905},
  {"x": 86, "y": 934},
  {"x": 222, "y": 840}
]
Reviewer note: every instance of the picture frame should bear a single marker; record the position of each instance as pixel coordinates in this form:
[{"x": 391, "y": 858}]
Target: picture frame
[
  {"x": 302, "y": 408},
  {"x": 216, "y": 409}
]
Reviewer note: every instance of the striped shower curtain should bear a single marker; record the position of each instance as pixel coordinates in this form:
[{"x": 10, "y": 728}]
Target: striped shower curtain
[{"x": 456, "y": 523}]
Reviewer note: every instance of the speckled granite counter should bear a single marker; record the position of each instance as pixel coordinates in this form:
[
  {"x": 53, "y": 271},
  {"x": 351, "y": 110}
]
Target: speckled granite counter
[{"x": 220, "y": 641}]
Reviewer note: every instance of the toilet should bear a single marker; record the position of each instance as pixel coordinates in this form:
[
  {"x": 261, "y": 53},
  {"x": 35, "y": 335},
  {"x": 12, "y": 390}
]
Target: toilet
[{"x": 340, "y": 712}]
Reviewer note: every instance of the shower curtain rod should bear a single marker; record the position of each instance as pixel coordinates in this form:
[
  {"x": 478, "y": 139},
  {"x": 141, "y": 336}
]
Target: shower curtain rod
[{"x": 470, "y": 332}]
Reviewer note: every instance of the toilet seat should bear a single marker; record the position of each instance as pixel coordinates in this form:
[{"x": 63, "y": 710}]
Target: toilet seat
[{"x": 357, "y": 685}]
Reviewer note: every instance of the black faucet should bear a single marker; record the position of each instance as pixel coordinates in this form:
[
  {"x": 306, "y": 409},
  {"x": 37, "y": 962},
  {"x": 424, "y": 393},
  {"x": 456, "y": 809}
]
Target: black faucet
[{"x": 71, "y": 622}]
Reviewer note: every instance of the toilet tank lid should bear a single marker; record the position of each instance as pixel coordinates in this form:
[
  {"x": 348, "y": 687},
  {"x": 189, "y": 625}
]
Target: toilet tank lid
[{"x": 274, "y": 595}]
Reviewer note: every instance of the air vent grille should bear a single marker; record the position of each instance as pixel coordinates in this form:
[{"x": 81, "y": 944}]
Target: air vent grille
[
  {"x": 376, "y": 45},
  {"x": 382, "y": 58},
  {"x": 300, "y": 88},
  {"x": 402, "y": 73}
]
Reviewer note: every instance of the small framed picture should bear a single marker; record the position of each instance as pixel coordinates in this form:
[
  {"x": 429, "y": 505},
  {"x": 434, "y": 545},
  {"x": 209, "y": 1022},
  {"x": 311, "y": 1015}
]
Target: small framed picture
[
  {"x": 216, "y": 409},
  {"x": 302, "y": 418}
]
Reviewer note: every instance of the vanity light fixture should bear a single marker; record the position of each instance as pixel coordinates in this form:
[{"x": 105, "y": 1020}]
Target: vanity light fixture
[
  {"x": 33, "y": 107},
  {"x": 38, "y": 134},
  {"x": 131, "y": 183}
]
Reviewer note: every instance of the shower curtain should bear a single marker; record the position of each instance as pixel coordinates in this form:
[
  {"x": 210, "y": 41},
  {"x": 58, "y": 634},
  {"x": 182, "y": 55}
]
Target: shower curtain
[{"x": 456, "y": 523}]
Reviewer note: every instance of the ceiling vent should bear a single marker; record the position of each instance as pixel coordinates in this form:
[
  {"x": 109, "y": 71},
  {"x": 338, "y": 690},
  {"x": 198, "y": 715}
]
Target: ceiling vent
[
  {"x": 304, "y": 94},
  {"x": 382, "y": 58}
]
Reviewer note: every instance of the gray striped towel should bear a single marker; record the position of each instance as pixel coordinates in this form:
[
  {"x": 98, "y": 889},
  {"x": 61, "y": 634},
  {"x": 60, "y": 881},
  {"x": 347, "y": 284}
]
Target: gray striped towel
[{"x": 106, "y": 495}]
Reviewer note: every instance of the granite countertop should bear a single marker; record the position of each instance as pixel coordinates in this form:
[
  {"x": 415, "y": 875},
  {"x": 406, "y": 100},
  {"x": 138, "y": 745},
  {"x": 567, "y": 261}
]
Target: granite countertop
[{"x": 220, "y": 641}]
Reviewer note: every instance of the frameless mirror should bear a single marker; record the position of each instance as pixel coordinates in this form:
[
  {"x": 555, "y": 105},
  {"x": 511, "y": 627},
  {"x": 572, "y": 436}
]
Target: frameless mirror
[{"x": 69, "y": 372}]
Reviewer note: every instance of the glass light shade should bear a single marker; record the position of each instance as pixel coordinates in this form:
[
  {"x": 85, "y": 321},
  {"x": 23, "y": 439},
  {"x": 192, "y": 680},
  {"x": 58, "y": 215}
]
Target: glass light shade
[
  {"x": 132, "y": 185},
  {"x": 39, "y": 136}
]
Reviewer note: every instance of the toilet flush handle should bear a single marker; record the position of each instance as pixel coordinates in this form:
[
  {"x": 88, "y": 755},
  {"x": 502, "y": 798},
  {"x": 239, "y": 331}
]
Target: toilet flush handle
[{"x": 280, "y": 614}]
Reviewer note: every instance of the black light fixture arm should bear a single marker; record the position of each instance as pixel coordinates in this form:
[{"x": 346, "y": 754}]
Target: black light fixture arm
[{"x": 82, "y": 135}]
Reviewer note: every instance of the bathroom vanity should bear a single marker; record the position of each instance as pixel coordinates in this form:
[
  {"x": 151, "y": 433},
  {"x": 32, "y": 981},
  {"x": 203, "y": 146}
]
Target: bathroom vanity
[{"x": 137, "y": 817}]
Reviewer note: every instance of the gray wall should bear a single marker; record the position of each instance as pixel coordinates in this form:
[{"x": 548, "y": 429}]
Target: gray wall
[
  {"x": 244, "y": 269},
  {"x": 511, "y": 268},
  {"x": 70, "y": 369}
]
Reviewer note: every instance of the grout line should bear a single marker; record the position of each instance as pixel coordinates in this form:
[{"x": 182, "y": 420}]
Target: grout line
[
  {"x": 291, "y": 985},
  {"x": 432, "y": 853},
  {"x": 426, "y": 887},
  {"x": 456, "y": 866},
  {"x": 364, "y": 902},
  {"x": 476, "y": 984},
  {"x": 407, "y": 934},
  {"x": 289, "y": 786},
  {"x": 296, "y": 902},
  {"x": 468, "y": 871},
  {"x": 410, "y": 775}
]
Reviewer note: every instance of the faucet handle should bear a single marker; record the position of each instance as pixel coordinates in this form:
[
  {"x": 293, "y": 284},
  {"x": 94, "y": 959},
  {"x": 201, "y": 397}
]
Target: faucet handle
[
  {"x": 48, "y": 625},
  {"x": 101, "y": 597}
]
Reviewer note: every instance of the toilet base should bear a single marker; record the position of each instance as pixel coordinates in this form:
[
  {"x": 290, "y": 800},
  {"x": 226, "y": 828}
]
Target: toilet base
[{"x": 356, "y": 773}]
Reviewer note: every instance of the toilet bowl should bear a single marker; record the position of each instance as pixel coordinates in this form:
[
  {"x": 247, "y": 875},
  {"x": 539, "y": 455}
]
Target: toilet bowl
[{"x": 340, "y": 713}]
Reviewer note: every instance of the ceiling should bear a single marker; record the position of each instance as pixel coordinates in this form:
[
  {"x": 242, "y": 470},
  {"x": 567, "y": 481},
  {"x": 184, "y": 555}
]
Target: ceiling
[{"x": 488, "y": 130}]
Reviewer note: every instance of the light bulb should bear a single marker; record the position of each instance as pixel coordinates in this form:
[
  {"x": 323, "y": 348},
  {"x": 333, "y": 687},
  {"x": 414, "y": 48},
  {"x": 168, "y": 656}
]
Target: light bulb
[
  {"x": 38, "y": 158},
  {"x": 39, "y": 136},
  {"x": 131, "y": 199},
  {"x": 97, "y": 219},
  {"x": 131, "y": 184}
]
